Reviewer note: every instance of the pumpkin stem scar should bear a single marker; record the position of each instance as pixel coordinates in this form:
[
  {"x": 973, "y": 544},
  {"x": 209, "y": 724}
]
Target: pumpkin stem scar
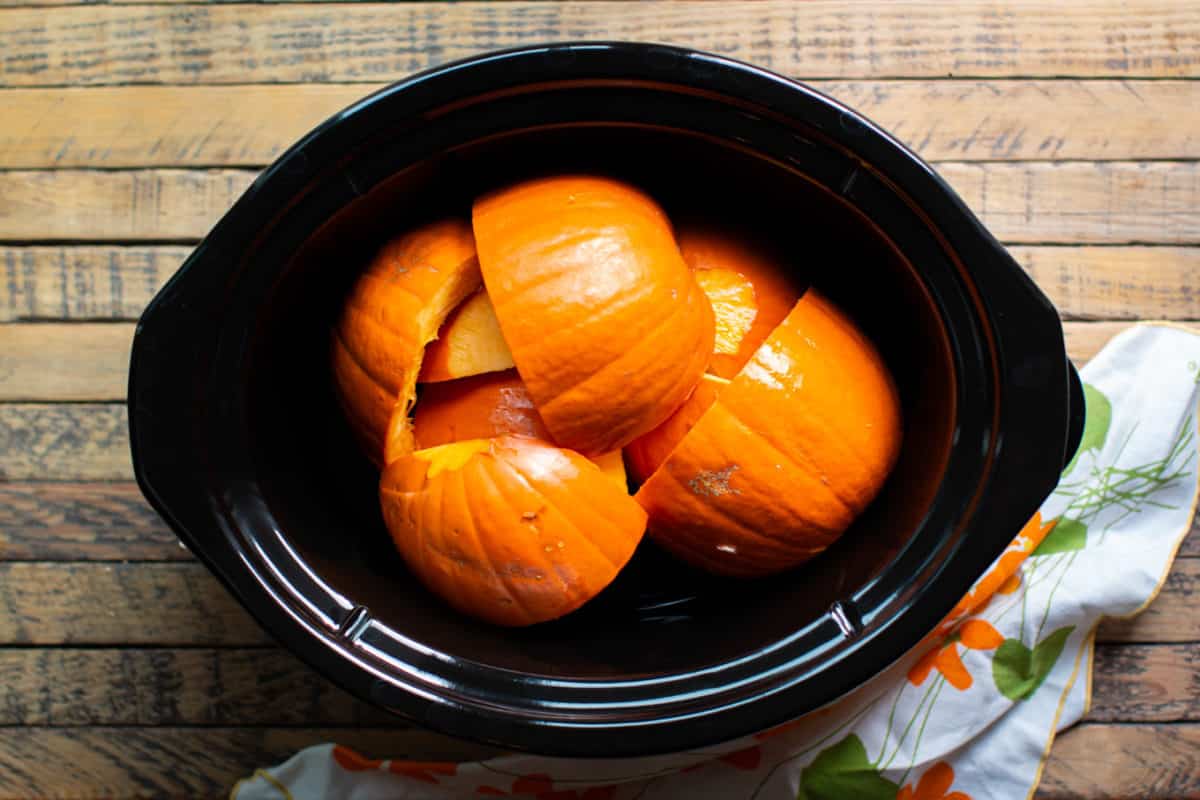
[{"x": 714, "y": 483}]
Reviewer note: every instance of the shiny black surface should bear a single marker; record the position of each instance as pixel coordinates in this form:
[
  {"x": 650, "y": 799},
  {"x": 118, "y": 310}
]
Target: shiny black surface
[{"x": 238, "y": 443}]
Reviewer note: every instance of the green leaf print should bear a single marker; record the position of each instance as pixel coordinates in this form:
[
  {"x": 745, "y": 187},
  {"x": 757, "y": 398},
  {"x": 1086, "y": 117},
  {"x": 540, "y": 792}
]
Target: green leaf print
[
  {"x": 1019, "y": 671},
  {"x": 1068, "y": 535},
  {"x": 843, "y": 771},
  {"x": 1095, "y": 429}
]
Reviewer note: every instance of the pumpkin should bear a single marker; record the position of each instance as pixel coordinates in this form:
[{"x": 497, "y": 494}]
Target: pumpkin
[
  {"x": 510, "y": 530},
  {"x": 469, "y": 343},
  {"x": 394, "y": 309},
  {"x": 485, "y": 406},
  {"x": 787, "y": 454},
  {"x": 750, "y": 295},
  {"x": 605, "y": 322}
]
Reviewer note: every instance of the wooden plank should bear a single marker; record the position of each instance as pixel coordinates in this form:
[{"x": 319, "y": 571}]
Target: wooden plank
[
  {"x": 87, "y": 282},
  {"x": 111, "y": 604},
  {"x": 67, "y": 687},
  {"x": 1170, "y": 618},
  {"x": 55, "y": 361},
  {"x": 133, "y": 205},
  {"x": 1082, "y": 202},
  {"x": 1149, "y": 762},
  {"x": 41, "y": 441},
  {"x": 1090, "y": 761},
  {"x": 181, "y": 604},
  {"x": 138, "y": 762},
  {"x": 83, "y": 282},
  {"x": 1022, "y": 202},
  {"x": 374, "y": 42},
  {"x": 1091, "y": 283},
  {"x": 1146, "y": 683},
  {"x": 250, "y": 125},
  {"x": 82, "y": 522}
]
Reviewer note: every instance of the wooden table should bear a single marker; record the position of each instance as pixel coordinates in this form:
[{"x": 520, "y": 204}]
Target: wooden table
[{"x": 125, "y": 130}]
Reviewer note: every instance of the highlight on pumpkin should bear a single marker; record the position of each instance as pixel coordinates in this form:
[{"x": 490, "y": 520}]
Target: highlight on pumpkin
[
  {"x": 567, "y": 322},
  {"x": 510, "y": 530}
]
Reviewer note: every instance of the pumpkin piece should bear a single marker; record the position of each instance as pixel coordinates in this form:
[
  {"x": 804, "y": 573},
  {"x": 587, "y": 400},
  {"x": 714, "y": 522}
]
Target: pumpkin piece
[
  {"x": 606, "y": 324},
  {"x": 485, "y": 406},
  {"x": 394, "y": 309},
  {"x": 469, "y": 343},
  {"x": 646, "y": 453},
  {"x": 749, "y": 291},
  {"x": 750, "y": 296},
  {"x": 510, "y": 530},
  {"x": 788, "y": 454}
]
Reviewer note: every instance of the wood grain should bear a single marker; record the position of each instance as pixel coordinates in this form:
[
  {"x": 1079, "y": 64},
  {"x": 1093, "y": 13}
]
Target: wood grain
[
  {"x": 67, "y": 687},
  {"x": 1081, "y": 202},
  {"x": 41, "y": 441},
  {"x": 250, "y": 125},
  {"x": 116, "y": 206},
  {"x": 1148, "y": 762},
  {"x": 84, "y": 361},
  {"x": 182, "y": 604},
  {"x": 88, "y": 282},
  {"x": 1022, "y": 203},
  {"x": 1091, "y": 761},
  {"x": 1146, "y": 683},
  {"x": 82, "y": 522},
  {"x": 1116, "y": 282},
  {"x": 111, "y": 604},
  {"x": 373, "y": 42},
  {"x": 1170, "y": 618},
  {"x": 83, "y": 282},
  {"x": 165, "y": 762}
]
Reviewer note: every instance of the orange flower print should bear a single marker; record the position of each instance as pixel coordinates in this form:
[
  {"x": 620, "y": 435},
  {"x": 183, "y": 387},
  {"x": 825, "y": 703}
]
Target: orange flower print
[
  {"x": 974, "y": 634},
  {"x": 934, "y": 785},
  {"x": 541, "y": 787},
  {"x": 351, "y": 761},
  {"x": 423, "y": 770}
]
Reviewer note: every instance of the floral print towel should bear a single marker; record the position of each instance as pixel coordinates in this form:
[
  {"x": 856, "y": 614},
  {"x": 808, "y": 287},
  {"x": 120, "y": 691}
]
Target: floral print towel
[{"x": 972, "y": 712}]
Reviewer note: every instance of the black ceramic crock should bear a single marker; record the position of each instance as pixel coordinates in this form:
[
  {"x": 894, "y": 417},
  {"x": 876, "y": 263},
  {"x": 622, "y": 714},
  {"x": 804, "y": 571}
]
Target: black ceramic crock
[{"x": 238, "y": 443}]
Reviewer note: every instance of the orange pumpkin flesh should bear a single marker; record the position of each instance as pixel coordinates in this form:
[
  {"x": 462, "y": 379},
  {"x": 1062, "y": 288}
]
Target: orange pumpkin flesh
[
  {"x": 469, "y": 343},
  {"x": 485, "y": 406},
  {"x": 511, "y": 530},
  {"x": 606, "y": 324},
  {"x": 392, "y": 312},
  {"x": 788, "y": 454},
  {"x": 750, "y": 296},
  {"x": 746, "y": 310}
]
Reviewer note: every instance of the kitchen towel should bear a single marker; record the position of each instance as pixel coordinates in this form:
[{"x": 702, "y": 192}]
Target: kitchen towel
[{"x": 972, "y": 712}]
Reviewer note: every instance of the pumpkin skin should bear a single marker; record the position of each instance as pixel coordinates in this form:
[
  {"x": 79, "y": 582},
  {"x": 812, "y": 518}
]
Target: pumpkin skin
[
  {"x": 394, "y": 309},
  {"x": 469, "y": 343},
  {"x": 750, "y": 295},
  {"x": 606, "y": 324},
  {"x": 510, "y": 530},
  {"x": 485, "y": 406},
  {"x": 788, "y": 454}
]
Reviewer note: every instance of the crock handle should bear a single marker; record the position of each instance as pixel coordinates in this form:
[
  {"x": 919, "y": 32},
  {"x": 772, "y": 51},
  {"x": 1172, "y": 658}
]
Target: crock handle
[{"x": 1077, "y": 411}]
